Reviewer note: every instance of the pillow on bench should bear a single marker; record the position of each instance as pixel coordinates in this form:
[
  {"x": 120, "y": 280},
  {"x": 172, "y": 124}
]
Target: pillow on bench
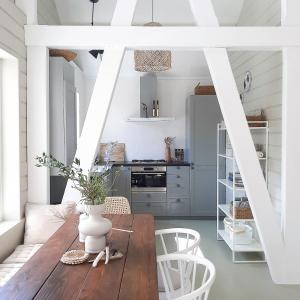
[{"x": 41, "y": 220}]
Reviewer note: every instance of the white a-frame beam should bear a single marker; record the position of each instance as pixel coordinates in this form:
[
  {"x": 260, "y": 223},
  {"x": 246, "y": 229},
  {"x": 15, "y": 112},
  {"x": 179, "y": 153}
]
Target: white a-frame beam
[
  {"x": 97, "y": 113},
  {"x": 242, "y": 143},
  {"x": 101, "y": 98},
  {"x": 250, "y": 169}
]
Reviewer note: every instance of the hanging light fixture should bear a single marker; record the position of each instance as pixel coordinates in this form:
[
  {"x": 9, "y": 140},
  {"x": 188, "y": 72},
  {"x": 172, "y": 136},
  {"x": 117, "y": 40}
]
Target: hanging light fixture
[
  {"x": 95, "y": 52},
  {"x": 152, "y": 60}
]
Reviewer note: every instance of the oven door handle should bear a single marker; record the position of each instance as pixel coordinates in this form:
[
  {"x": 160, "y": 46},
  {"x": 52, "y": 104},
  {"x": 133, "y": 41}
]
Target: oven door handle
[{"x": 150, "y": 173}]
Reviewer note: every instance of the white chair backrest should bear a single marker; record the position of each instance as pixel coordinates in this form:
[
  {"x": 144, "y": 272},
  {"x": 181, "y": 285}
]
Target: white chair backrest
[
  {"x": 117, "y": 206},
  {"x": 178, "y": 240},
  {"x": 191, "y": 285}
]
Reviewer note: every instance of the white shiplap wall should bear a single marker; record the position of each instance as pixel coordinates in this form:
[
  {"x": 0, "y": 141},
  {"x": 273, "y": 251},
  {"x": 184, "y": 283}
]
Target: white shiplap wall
[
  {"x": 12, "y": 38},
  {"x": 47, "y": 13},
  {"x": 266, "y": 92}
]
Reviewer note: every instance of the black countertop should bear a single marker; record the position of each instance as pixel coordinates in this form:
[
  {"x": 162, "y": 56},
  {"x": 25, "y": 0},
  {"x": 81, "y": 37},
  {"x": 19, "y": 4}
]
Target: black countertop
[{"x": 130, "y": 163}]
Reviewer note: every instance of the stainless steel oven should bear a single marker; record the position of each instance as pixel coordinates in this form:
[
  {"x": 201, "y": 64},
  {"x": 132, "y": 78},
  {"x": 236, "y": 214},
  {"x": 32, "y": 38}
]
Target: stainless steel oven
[{"x": 148, "y": 179}]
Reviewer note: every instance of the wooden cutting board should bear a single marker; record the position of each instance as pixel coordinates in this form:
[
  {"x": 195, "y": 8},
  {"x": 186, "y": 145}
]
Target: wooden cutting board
[{"x": 118, "y": 153}]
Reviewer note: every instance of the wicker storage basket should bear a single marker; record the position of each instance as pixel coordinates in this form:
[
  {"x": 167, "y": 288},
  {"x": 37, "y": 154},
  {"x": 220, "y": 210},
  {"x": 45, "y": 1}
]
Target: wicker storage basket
[
  {"x": 66, "y": 54},
  {"x": 241, "y": 213},
  {"x": 204, "y": 90},
  {"x": 260, "y": 118}
]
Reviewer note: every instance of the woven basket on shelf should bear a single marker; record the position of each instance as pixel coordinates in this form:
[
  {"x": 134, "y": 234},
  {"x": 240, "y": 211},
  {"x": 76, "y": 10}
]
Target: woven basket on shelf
[{"x": 241, "y": 213}]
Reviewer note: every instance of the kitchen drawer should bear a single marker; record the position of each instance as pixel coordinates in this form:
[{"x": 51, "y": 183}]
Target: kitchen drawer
[
  {"x": 148, "y": 197},
  {"x": 183, "y": 171},
  {"x": 153, "y": 208},
  {"x": 178, "y": 206},
  {"x": 175, "y": 190},
  {"x": 178, "y": 180}
]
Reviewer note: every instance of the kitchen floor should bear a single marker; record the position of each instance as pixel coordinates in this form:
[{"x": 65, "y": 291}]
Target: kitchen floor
[{"x": 233, "y": 281}]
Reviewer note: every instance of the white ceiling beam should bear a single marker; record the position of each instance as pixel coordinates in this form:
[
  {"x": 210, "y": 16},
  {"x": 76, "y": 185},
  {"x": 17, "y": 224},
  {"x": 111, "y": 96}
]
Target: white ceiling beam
[
  {"x": 124, "y": 12},
  {"x": 134, "y": 37}
]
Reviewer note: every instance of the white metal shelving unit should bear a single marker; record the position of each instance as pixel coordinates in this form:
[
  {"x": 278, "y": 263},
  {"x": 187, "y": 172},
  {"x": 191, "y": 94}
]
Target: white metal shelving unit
[{"x": 226, "y": 163}]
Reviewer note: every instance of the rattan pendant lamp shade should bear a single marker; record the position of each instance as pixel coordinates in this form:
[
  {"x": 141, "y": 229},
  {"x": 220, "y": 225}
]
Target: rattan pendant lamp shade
[{"x": 152, "y": 60}]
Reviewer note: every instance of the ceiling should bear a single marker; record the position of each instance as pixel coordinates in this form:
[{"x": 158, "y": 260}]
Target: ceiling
[{"x": 167, "y": 12}]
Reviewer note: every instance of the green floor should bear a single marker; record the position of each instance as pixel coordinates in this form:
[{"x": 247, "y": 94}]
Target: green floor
[{"x": 234, "y": 281}]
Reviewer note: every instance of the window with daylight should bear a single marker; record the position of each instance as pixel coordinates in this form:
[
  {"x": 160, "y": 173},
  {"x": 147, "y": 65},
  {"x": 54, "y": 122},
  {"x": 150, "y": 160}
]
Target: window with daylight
[{"x": 9, "y": 138}]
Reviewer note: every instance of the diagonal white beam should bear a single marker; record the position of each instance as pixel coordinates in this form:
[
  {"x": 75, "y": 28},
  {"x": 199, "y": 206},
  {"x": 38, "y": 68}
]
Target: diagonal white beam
[
  {"x": 135, "y": 37},
  {"x": 123, "y": 13},
  {"x": 242, "y": 144},
  {"x": 97, "y": 113},
  {"x": 204, "y": 13}
]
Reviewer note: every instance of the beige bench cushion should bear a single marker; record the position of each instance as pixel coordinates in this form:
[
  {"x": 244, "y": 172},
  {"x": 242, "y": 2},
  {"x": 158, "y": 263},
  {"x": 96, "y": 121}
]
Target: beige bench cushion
[
  {"x": 7, "y": 271},
  {"x": 43, "y": 220},
  {"x": 22, "y": 254}
]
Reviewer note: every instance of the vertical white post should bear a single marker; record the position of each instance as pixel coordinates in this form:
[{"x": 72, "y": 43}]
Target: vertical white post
[
  {"x": 29, "y": 7},
  {"x": 97, "y": 113},
  {"x": 291, "y": 145},
  {"x": 37, "y": 122}
]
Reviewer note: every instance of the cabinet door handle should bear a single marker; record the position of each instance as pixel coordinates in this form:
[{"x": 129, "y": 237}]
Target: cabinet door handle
[
  {"x": 148, "y": 204},
  {"x": 178, "y": 185},
  {"x": 178, "y": 176},
  {"x": 178, "y": 200},
  {"x": 148, "y": 195},
  {"x": 178, "y": 168}
]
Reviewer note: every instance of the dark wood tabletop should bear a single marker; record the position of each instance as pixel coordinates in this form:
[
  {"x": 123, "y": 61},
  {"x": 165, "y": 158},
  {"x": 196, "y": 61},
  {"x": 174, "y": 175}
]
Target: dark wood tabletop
[{"x": 133, "y": 277}]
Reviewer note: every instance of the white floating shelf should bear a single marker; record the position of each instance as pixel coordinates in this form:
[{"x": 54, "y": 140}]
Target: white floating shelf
[
  {"x": 254, "y": 246},
  {"x": 231, "y": 157},
  {"x": 229, "y": 184},
  {"x": 157, "y": 119}
]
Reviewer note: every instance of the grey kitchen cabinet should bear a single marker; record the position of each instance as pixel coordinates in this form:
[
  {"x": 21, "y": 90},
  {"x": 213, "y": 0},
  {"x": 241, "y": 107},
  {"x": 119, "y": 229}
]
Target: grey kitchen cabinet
[
  {"x": 178, "y": 190},
  {"x": 203, "y": 115},
  {"x": 121, "y": 181}
]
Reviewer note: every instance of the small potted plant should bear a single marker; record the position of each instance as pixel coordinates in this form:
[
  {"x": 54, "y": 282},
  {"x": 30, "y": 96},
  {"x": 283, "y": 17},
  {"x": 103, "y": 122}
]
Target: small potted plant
[{"x": 94, "y": 190}]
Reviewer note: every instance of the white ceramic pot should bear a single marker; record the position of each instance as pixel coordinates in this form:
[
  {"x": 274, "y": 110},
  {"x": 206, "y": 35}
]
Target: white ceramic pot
[{"x": 95, "y": 228}]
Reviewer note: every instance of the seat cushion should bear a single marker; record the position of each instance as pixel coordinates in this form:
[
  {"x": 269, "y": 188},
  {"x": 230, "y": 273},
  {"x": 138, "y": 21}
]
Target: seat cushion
[
  {"x": 43, "y": 220},
  {"x": 22, "y": 254},
  {"x": 7, "y": 271}
]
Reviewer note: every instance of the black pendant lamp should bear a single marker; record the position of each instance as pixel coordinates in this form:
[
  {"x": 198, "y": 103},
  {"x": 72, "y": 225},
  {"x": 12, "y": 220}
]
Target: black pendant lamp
[{"x": 95, "y": 52}]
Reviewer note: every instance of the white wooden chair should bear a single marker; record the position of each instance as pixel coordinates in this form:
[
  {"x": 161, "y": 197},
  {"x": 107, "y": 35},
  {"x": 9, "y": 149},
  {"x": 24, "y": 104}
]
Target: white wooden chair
[
  {"x": 197, "y": 274},
  {"x": 117, "y": 206},
  {"x": 178, "y": 240}
]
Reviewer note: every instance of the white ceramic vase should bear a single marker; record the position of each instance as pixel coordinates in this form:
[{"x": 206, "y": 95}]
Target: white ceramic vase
[{"x": 94, "y": 228}]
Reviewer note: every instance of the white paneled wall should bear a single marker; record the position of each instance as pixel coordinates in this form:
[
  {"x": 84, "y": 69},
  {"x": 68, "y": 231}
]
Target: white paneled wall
[
  {"x": 47, "y": 13},
  {"x": 12, "y": 39},
  {"x": 266, "y": 92},
  {"x": 260, "y": 13}
]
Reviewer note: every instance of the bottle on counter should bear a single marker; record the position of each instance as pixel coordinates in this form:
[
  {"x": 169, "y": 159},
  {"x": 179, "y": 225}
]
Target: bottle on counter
[
  {"x": 157, "y": 108},
  {"x": 154, "y": 109}
]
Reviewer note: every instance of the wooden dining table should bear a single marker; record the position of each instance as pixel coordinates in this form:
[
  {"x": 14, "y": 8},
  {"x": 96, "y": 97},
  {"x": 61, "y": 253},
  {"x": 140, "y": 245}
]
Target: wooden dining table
[{"x": 133, "y": 277}]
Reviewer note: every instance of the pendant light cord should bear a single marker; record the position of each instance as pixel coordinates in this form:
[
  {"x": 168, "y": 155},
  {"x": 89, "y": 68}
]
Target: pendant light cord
[
  {"x": 93, "y": 14},
  {"x": 152, "y": 10}
]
